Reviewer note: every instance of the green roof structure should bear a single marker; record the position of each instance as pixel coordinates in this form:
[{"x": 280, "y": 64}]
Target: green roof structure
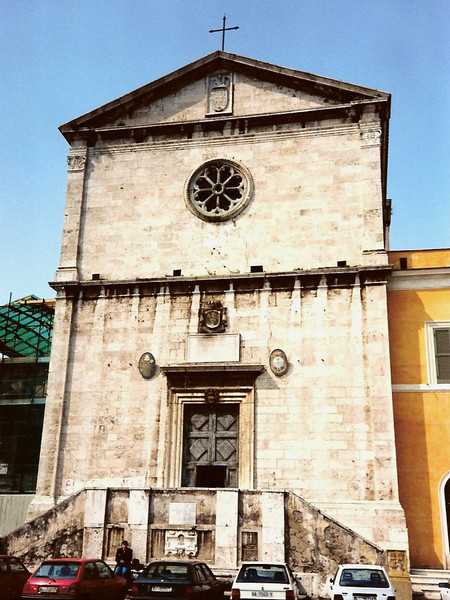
[{"x": 26, "y": 327}]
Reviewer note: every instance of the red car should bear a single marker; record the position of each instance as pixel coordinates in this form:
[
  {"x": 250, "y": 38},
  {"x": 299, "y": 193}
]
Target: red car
[
  {"x": 13, "y": 575},
  {"x": 87, "y": 578}
]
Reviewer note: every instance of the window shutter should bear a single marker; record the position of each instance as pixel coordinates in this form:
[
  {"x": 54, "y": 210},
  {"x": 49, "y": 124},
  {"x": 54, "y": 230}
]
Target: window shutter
[{"x": 442, "y": 350}]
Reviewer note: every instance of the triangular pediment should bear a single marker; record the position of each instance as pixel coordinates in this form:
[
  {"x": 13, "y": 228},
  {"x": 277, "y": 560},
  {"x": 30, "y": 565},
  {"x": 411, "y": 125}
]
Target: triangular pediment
[{"x": 187, "y": 94}]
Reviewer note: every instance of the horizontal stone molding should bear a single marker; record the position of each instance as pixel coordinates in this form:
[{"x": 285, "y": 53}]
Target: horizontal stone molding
[
  {"x": 224, "y": 140},
  {"x": 331, "y": 276}
]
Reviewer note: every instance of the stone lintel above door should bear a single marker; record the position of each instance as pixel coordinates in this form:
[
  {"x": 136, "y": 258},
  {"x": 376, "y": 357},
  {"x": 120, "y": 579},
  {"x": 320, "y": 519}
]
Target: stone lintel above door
[{"x": 212, "y": 374}]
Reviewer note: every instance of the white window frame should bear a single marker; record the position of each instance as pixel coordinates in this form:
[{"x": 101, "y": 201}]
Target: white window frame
[{"x": 430, "y": 328}]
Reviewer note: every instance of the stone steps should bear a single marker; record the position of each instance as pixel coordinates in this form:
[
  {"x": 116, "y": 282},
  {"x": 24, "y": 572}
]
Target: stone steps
[{"x": 425, "y": 583}]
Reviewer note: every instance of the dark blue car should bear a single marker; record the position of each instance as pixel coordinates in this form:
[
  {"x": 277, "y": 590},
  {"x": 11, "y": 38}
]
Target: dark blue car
[{"x": 177, "y": 580}]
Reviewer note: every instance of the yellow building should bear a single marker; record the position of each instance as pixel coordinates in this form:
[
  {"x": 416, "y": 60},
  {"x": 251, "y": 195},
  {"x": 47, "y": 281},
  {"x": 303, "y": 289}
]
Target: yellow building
[{"x": 419, "y": 329}]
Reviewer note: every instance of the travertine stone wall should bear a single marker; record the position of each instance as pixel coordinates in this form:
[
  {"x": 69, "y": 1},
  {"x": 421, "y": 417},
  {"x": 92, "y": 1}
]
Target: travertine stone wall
[
  {"x": 316, "y": 201},
  {"x": 323, "y": 430}
]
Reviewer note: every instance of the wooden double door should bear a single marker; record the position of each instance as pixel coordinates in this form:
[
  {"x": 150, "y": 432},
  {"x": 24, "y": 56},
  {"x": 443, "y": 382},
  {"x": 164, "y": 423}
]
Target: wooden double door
[{"x": 210, "y": 445}]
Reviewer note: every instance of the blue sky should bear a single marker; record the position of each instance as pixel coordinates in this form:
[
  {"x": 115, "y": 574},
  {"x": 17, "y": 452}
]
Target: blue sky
[{"x": 62, "y": 58}]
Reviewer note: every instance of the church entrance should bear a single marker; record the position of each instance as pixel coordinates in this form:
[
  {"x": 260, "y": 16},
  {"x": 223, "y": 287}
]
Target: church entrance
[{"x": 210, "y": 445}]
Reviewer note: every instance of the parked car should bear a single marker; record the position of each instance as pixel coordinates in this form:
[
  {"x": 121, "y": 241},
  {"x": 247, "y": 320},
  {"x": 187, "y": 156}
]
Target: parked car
[
  {"x": 13, "y": 575},
  {"x": 361, "y": 582},
  {"x": 265, "y": 580},
  {"x": 444, "y": 588},
  {"x": 177, "y": 579},
  {"x": 78, "y": 578}
]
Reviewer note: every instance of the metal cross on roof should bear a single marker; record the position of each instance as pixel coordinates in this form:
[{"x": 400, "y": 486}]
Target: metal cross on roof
[{"x": 223, "y": 31}]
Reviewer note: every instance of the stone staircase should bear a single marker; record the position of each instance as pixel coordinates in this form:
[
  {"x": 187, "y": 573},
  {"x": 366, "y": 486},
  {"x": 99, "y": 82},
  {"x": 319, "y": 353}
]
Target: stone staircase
[{"x": 425, "y": 583}]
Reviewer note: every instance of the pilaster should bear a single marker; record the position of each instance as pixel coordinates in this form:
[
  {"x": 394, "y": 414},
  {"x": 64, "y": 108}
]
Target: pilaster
[
  {"x": 226, "y": 528},
  {"x": 94, "y": 522},
  {"x": 59, "y": 374},
  {"x": 73, "y": 215},
  {"x": 139, "y": 505},
  {"x": 273, "y": 526}
]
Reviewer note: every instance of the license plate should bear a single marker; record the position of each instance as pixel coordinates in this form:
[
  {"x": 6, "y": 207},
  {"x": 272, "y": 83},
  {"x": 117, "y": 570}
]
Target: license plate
[
  {"x": 48, "y": 589},
  {"x": 262, "y": 594},
  {"x": 161, "y": 588},
  {"x": 364, "y": 597}
]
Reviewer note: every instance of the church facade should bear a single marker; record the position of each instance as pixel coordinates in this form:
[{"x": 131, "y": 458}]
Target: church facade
[{"x": 221, "y": 315}]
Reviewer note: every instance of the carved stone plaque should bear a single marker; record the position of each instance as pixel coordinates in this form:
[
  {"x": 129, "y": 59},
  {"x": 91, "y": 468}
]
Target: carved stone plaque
[
  {"x": 181, "y": 543},
  {"x": 397, "y": 562},
  {"x": 183, "y": 513},
  {"x": 220, "y": 94},
  {"x": 204, "y": 348}
]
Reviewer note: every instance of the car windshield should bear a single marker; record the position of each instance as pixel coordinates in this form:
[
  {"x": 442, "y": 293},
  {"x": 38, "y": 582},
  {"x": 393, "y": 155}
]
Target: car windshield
[
  {"x": 59, "y": 570},
  {"x": 363, "y": 578},
  {"x": 167, "y": 571},
  {"x": 263, "y": 574}
]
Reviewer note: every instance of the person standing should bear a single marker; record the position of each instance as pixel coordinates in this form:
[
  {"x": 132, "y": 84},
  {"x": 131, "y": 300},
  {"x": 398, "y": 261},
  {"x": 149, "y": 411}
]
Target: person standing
[{"x": 124, "y": 556}]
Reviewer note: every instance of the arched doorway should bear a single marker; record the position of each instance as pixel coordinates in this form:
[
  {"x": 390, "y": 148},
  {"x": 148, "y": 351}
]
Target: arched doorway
[{"x": 444, "y": 504}]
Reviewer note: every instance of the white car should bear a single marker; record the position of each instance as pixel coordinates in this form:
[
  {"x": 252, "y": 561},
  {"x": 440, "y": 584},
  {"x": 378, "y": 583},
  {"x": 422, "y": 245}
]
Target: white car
[
  {"x": 361, "y": 582},
  {"x": 445, "y": 590},
  {"x": 265, "y": 580}
]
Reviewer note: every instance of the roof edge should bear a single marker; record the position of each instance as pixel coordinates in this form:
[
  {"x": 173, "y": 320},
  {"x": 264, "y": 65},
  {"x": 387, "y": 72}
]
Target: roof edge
[{"x": 224, "y": 60}]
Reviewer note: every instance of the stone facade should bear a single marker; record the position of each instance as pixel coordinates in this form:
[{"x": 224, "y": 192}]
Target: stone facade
[{"x": 301, "y": 268}]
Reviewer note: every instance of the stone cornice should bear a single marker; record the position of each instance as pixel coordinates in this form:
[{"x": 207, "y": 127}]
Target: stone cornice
[
  {"x": 350, "y": 111},
  {"x": 238, "y": 139},
  {"x": 175, "y": 285},
  {"x": 201, "y": 374}
]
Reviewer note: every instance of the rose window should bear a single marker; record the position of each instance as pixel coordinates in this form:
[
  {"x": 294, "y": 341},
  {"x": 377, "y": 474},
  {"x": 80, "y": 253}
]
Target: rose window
[{"x": 218, "y": 190}]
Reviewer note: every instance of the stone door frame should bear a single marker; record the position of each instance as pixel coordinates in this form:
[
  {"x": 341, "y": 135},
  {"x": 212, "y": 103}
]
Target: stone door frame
[{"x": 178, "y": 398}]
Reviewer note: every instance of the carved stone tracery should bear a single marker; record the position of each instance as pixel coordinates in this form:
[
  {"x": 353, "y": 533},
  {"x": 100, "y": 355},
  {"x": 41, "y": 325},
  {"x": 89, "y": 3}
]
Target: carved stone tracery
[{"x": 219, "y": 190}]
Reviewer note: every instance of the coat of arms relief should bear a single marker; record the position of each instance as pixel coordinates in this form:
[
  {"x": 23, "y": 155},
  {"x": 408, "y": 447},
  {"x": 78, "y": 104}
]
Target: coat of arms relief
[
  {"x": 220, "y": 94},
  {"x": 212, "y": 317}
]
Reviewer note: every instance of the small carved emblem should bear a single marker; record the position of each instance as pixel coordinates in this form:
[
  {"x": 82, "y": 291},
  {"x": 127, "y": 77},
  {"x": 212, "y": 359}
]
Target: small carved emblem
[
  {"x": 219, "y": 98},
  {"x": 213, "y": 318},
  {"x": 211, "y": 396},
  {"x": 147, "y": 365},
  {"x": 278, "y": 362},
  {"x": 219, "y": 93}
]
